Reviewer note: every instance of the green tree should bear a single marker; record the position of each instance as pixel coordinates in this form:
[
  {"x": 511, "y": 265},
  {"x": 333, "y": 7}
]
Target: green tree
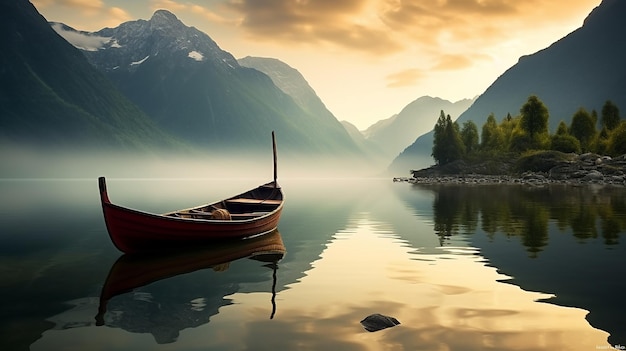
[
  {"x": 602, "y": 141},
  {"x": 439, "y": 138},
  {"x": 507, "y": 126},
  {"x": 617, "y": 141},
  {"x": 562, "y": 129},
  {"x": 534, "y": 117},
  {"x": 520, "y": 140},
  {"x": 563, "y": 141},
  {"x": 583, "y": 128},
  {"x": 447, "y": 143},
  {"x": 491, "y": 136},
  {"x": 456, "y": 149},
  {"x": 469, "y": 135},
  {"x": 610, "y": 115}
]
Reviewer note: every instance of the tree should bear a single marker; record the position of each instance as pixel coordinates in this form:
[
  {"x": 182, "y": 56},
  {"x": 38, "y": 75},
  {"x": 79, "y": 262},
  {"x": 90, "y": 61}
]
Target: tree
[
  {"x": 447, "y": 143},
  {"x": 610, "y": 115},
  {"x": 562, "y": 129},
  {"x": 469, "y": 135},
  {"x": 563, "y": 141},
  {"x": 507, "y": 126},
  {"x": 453, "y": 139},
  {"x": 520, "y": 141},
  {"x": 439, "y": 138},
  {"x": 491, "y": 136},
  {"x": 583, "y": 128},
  {"x": 534, "y": 117},
  {"x": 617, "y": 141}
]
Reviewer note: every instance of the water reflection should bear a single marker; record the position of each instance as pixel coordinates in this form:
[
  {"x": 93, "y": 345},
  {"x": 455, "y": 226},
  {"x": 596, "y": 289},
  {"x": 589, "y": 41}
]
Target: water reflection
[
  {"x": 557, "y": 239},
  {"x": 525, "y": 212},
  {"x": 354, "y": 249},
  {"x": 165, "y": 318},
  {"x": 452, "y": 301}
]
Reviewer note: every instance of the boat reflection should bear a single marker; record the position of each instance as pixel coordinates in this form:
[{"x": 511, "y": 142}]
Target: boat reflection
[{"x": 169, "y": 308}]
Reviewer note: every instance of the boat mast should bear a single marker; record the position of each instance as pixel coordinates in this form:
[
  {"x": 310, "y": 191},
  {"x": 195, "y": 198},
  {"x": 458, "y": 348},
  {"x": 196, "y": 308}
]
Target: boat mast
[{"x": 274, "y": 152}]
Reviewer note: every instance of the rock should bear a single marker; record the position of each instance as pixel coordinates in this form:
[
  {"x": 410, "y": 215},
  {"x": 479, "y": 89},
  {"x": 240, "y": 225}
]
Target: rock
[
  {"x": 562, "y": 171},
  {"x": 593, "y": 176},
  {"x": 377, "y": 321}
]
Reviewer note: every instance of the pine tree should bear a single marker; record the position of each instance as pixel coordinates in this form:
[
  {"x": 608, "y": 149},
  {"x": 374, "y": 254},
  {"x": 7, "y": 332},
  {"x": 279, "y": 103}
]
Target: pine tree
[
  {"x": 469, "y": 135},
  {"x": 534, "y": 117},
  {"x": 583, "y": 128},
  {"x": 610, "y": 115}
]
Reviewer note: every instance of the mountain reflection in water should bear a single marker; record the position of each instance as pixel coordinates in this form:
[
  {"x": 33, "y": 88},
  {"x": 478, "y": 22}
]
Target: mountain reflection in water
[{"x": 572, "y": 238}]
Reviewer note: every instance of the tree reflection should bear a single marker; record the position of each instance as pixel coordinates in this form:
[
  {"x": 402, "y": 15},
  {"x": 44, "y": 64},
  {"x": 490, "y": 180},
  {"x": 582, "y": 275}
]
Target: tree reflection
[{"x": 526, "y": 212}]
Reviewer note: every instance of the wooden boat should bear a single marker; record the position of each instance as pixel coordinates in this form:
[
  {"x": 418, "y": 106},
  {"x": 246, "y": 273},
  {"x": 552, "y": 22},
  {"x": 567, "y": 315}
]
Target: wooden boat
[
  {"x": 254, "y": 212},
  {"x": 132, "y": 271}
]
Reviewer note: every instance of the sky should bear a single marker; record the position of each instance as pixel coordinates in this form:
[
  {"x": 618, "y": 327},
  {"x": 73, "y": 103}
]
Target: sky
[{"x": 366, "y": 59}]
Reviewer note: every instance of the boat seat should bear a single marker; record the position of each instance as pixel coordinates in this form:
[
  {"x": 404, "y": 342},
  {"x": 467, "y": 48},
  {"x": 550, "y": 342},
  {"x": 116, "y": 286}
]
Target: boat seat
[
  {"x": 254, "y": 201},
  {"x": 249, "y": 214},
  {"x": 197, "y": 213}
]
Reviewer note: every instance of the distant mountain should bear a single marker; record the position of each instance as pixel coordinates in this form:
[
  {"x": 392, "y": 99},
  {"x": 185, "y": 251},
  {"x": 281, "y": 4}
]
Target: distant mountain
[
  {"x": 51, "y": 96},
  {"x": 292, "y": 83},
  {"x": 584, "y": 69},
  {"x": 193, "y": 89},
  {"x": 394, "y": 134},
  {"x": 375, "y": 152}
]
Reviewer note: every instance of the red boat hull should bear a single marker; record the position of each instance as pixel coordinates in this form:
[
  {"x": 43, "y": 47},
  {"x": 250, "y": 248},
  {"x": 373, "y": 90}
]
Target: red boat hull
[{"x": 134, "y": 231}]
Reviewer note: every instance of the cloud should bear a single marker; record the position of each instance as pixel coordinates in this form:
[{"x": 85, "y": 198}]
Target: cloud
[
  {"x": 458, "y": 62},
  {"x": 170, "y": 5},
  {"x": 413, "y": 76},
  {"x": 386, "y": 27},
  {"x": 118, "y": 15},
  {"x": 77, "y": 4},
  {"x": 219, "y": 14},
  {"x": 349, "y": 24},
  {"x": 83, "y": 5},
  {"x": 92, "y": 14},
  {"x": 81, "y": 40},
  {"x": 405, "y": 78}
]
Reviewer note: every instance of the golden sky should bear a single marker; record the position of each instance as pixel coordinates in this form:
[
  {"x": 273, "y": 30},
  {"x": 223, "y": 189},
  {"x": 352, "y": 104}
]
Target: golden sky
[{"x": 366, "y": 59}]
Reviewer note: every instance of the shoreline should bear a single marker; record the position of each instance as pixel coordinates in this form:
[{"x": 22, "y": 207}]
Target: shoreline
[
  {"x": 528, "y": 178},
  {"x": 540, "y": 169}
]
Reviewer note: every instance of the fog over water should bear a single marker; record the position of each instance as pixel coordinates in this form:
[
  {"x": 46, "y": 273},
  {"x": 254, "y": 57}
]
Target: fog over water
[{"x": 32, "y": 163}]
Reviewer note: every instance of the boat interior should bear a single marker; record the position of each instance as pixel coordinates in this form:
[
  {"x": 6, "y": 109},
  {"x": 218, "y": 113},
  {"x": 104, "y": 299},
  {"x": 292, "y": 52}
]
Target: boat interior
[{"x": 252, "y": 204}]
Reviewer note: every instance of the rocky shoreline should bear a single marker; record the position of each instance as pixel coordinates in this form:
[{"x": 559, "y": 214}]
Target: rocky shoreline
[{"x": 546, "y": 168}]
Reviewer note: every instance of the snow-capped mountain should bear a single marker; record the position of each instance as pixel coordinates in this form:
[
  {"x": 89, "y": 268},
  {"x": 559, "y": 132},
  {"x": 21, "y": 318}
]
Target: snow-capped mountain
[
  {"x": 51, "y": 97},
  {"x": 132, "y": 43},
  {"x": 192, "y": 88}
]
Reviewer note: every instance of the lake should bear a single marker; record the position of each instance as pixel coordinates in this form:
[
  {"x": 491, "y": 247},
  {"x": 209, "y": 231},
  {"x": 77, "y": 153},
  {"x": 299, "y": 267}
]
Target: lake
[{"x": 460, "y": 267}]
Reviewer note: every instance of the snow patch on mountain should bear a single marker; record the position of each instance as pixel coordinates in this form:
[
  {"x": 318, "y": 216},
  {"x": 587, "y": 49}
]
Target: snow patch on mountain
[
  {"x": 196, "y": 55},
  {"x": 139, "y": 62}
]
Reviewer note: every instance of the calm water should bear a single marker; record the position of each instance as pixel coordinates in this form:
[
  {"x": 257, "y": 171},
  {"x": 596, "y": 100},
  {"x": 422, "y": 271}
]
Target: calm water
[{"x": 462, "y": 268}]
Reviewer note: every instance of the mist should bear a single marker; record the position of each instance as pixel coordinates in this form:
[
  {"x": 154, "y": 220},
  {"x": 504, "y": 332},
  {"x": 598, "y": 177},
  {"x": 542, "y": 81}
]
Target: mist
[{"x": 30, "y": 163}]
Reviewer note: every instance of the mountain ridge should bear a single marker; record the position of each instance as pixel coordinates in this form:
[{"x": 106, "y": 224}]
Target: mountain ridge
[{"x": 198, "y": 92}]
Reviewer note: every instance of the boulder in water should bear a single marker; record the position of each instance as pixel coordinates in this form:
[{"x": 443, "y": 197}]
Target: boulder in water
[{"x": 377, "y": 321}]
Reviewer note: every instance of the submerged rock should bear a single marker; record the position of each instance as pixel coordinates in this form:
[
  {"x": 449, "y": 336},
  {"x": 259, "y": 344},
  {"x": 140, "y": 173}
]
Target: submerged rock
[{"x": 377, "y": 321}]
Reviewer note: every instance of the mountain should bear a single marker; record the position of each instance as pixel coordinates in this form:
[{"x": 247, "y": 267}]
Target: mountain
[
  {"x": 292, "y": 83},
  {"x": 394, "y": 134},
  {"x": 51, "y": 96},
  {"x": 583, "y": 69},
  {"x": 195, "y": 90}
]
